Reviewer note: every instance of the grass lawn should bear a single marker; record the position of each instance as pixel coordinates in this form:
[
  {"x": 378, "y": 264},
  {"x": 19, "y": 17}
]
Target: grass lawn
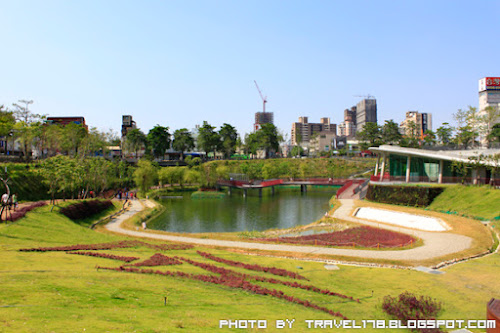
[
  {"x": 474, "y": 201},
  {"x": 55, "y": 291}
]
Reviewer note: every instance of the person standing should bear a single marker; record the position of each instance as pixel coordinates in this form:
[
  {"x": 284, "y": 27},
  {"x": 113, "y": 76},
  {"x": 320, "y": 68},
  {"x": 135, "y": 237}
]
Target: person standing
[{"x": 14, "y": 201}]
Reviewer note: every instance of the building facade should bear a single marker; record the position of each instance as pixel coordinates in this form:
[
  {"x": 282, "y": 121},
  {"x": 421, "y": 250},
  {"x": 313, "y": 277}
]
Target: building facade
[
  {"x": 127, "y": 124},
  {"x": 366, "y": 112},
  {"x": 422, "y": 121},
  {"x": 66, "y": 120},
  {"x": 263, "y": 118},
  {"x": 302, "y": 131},
  {"x": 489, "y": 96},
  {"x": 322, "y": 142}
]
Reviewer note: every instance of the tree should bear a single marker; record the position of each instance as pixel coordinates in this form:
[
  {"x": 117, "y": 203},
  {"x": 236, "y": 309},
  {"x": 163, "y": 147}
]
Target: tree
[
  {"x": 159, "y": 140},
  {"x": 72, "y": 136},
  {"x": 390, "y": 132},
  {"x": 297, "y": 151},
  {"x": 229, "y": 138},
  {"x": 251, "y": 143},
  {"x": 145, "y": 175},
  {"x": 7, "y": 122},
  {"x": 444, "y": 133},
  {"x": 183, "y": 141},
  {"x": 208, "y": 139},
  {"x": 469, "y": 125},
  {"x": 490, "y": 118},
  {"x": 26, "y": 125},
  {"x": 93, "y": 143},
  {"x": 268, "y": 138},
  {"x": 371, "y": 133},
  {"x": 429, "y": 138},
  {"x": 135, "y": 139},
  {"x": 494, "y": 135}
]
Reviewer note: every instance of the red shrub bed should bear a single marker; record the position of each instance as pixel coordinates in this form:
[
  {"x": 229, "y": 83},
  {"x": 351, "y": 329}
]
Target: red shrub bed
[
  {"x": 86, "y": 247},
  {"x": 21, "y": 212},
  {"x": 224, "y": 271},
  {"x": 108, "y": 246},
  {"x": 158, "y": 260},
  {"x": 87, "y": 208},
  {"x": 233, "y": 282},
  {"x": 168, "y": 247},
  {"x": 104, "y": 255},
  {"x": 410, "y": 307},
  {"x": 361, "y": 236},
  {"x": 258, "y": 268}
]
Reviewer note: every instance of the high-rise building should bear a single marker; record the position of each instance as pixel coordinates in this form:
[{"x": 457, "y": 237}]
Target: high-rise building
[
  {"x": 127, "y": 124},
  {"x": 366, "y": 112},
  {"x": 303, "y": 129},
  {"x": 489, "y": 95},
  {"x": 263, "y": 118},
  {"x": 422, "y": 121}
]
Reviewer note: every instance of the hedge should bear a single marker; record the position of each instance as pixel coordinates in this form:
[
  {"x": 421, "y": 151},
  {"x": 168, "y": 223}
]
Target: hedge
[
  {"x": 84, "y": 209},
  {"x": 418, "y": 196}
]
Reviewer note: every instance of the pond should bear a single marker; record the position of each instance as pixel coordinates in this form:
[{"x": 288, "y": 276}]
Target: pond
[{"x": 286, "y": 209}]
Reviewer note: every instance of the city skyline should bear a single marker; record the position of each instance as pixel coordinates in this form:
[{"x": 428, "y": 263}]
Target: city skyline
[{"x": 178, "y": 64}]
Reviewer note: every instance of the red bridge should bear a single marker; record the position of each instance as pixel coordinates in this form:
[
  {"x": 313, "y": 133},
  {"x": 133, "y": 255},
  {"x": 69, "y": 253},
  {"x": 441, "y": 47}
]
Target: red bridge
[{"x": 260, "y": 184}]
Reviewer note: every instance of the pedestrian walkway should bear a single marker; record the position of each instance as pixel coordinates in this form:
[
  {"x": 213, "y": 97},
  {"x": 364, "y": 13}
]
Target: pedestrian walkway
[{"x": 435, "y": 244}]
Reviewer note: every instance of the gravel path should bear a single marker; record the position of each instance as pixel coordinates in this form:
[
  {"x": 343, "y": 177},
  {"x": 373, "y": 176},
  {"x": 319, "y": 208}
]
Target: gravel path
[{"x": 436, "y": 244}]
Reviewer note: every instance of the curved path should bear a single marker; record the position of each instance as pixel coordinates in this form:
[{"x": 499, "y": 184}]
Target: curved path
[{"x": 436, "y": 244}]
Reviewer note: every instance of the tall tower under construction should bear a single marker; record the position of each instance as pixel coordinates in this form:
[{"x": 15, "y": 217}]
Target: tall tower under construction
[{"x": 262, "y": 117}]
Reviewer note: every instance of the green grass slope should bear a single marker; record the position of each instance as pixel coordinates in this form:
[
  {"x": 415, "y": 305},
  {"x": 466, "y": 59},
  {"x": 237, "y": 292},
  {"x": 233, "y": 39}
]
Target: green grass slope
[
  {"x": 474, "y": 201},
  {"x": 55, "y": 291}
]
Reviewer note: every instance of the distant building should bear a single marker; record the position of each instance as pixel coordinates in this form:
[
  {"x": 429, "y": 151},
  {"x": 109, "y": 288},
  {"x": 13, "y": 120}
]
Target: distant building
[
  {"x": 489, "y": 96},
  {"x": 366, "y": 112},
  {"x": 66, "y": 120},
  {"x": 322, "y": 142},
  {"x": 348, "y": 126},
  {"x": 127, "y": 124},
  {"x": 423, "y": 122},
  {"x": 263, "y": 118},
  {"x": 302, "y": 131}
]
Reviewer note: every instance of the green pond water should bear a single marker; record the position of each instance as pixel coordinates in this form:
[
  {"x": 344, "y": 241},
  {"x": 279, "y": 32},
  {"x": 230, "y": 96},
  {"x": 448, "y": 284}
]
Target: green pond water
[{"x": 287, "y": 208}]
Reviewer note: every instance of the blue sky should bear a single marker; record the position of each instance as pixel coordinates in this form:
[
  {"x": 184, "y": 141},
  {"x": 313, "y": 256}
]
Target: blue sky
[{"x": 178, "y": 63}]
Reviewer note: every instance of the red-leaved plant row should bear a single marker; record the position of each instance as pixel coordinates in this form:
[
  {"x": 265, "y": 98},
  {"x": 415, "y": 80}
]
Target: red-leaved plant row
[
  {"x": 233, "y": 282},
  {"x": 21, "y": 212},
  {"x": 258, "y": 268},
  {"x": 108, "y": 246},
  {"x": 104, "y": 255},
  {"x": 362, "y": 236},
  {"x": 410, "y": 307},
  {"x": 158, "y": 260},
  {"x": 224, "y": 271}
]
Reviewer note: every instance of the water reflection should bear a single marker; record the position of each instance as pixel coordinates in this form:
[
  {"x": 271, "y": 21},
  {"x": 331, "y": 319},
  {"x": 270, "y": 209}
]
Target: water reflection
[{"x": 286, "y": 209}]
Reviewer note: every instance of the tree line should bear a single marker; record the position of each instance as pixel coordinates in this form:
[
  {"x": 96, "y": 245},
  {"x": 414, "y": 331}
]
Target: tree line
[
  {"x": 472, "y": 127},
  {"x": 28, "y": 129}
]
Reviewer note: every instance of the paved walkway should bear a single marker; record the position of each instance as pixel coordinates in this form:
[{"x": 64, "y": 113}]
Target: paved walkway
[{"x": 435, "y": 244}]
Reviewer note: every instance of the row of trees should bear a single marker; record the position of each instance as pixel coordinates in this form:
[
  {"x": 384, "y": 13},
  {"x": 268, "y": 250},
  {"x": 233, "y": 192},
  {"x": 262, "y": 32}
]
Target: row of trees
[
  {"x": 226, "y": 140},
  {"x": 471, "y": 126},
  {"x": 148, "y": 174},
  {"x": 30, "y": 130},
  {"x": 18, "y": 124}
]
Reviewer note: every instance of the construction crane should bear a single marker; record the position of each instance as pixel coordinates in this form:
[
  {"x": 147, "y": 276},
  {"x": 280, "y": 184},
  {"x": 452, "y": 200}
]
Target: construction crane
[
  {"x": 365, "y": 96},
  {"x": 264, "y": 99}
]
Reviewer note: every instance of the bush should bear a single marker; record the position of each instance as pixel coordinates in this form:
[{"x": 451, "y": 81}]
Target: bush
[
  {"x": 16, "y": 215},
  {"x": 410, "y": 307},
  {"x": 85, "y": 209},
  {"x": 403, "y": 195}
]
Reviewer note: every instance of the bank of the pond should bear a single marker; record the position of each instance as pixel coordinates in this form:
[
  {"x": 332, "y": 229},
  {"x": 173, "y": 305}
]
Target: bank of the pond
[{"x": 287, "y": 208}]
